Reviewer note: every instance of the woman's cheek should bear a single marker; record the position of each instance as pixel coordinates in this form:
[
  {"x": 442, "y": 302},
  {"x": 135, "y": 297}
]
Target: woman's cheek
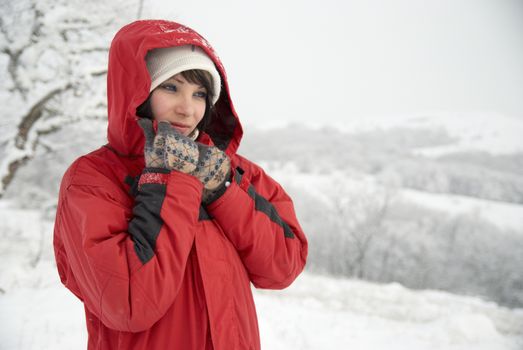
[{"x": 159, "y": 109}]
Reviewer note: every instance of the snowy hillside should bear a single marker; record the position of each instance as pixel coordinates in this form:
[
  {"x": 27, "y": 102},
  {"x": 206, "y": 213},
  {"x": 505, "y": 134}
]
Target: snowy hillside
[
  {"x": 324, "y": 313},
  {"x": 504, "y": 215},
  {"x": 432, "y": 202},
  {"x": 495, "y": 133},
  {"x": 316, "y": 312}
]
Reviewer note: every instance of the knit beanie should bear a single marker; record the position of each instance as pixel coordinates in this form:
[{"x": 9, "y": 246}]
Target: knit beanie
[{"x": 165, "y": 62}]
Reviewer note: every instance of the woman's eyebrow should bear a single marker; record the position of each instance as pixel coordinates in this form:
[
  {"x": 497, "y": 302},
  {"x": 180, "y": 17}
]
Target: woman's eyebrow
[
  {"x": 183, "y": 82},
  {"x": 178, "y": 80}
]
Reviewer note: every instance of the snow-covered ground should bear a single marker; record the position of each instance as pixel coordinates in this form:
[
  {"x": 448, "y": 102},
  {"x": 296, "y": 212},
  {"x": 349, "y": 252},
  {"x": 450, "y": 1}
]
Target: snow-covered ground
[
  {"x": 324, "y": 313},
  {"x": 316, "y": 312}
]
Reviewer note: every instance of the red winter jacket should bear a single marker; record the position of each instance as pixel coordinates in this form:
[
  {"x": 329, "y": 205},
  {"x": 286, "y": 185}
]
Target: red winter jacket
[{"x": 153, "y": 267}]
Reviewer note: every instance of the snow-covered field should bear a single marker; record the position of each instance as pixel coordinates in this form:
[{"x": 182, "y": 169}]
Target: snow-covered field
[
  {"x": 324, "y": 313},
  {"x": 502, "y": 214},
  {"x": 316, "y": 312}
]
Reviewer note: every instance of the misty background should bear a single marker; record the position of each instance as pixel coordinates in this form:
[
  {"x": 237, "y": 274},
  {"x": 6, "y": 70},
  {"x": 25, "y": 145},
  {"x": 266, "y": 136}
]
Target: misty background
[
  {"x": 332, "y": 61},
  {"x": 395, "y": 126}
]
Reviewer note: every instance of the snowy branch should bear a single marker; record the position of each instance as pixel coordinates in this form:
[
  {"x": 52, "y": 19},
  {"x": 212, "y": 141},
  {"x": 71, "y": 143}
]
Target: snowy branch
[
  {"x": 33, "y": 116},
  {"x": 55, "y": 63}
]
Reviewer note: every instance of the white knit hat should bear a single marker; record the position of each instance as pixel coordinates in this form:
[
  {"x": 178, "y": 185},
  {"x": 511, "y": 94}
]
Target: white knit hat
[{"x": 165, "y": 62}]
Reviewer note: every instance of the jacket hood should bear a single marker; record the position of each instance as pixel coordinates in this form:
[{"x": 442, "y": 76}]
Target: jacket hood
[{"x": 128, "y": 84}]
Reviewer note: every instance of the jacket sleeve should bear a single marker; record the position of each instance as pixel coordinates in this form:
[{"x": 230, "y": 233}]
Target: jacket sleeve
[
  {"x": 127, "y": 267},
  {"x": 258, "y": 217}
]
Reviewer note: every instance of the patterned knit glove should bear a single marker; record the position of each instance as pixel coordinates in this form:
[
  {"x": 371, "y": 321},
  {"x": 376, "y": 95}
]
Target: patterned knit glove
[
  {"x": 168, "y": 149},
  {"x": 171, "y": 150},
  {"x": 213, "y": 167}
]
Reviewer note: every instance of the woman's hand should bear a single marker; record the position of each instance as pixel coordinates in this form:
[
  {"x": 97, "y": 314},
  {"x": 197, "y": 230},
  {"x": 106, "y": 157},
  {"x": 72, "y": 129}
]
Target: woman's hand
[
  {"x": 171, "y": 150},
  {"x": 213, "y": 167},
  {"x": 167, "y": 148}
]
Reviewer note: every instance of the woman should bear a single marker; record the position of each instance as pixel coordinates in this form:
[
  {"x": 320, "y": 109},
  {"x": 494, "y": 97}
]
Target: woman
[{"x": 161, "y": 231}]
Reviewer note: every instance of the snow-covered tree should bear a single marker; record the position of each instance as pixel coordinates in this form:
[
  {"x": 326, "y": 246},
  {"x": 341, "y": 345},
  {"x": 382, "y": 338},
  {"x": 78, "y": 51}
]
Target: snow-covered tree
[{"x": 53, "y": 61}]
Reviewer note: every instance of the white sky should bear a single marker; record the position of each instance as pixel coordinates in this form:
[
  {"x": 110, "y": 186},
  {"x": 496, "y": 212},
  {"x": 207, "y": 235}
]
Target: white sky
[{"x": 338, "y": 60}]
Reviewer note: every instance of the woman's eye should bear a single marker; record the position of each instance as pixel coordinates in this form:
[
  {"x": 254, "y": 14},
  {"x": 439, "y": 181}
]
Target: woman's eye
[
  {"x": 201, "y": 94},
  {"x": 169, "y": 87}
]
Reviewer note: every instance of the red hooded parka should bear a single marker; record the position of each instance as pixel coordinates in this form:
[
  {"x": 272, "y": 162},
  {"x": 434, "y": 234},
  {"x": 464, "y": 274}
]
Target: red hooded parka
[{"x": 154, "y": 268}]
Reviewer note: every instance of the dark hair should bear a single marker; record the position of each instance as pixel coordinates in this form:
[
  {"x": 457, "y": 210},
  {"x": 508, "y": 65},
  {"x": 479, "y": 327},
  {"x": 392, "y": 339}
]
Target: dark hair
[{"x": 195, "y": 76}]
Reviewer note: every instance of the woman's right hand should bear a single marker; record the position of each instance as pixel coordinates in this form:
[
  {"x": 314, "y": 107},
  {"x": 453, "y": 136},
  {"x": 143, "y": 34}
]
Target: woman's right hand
[{"x": 167, "y": 148}]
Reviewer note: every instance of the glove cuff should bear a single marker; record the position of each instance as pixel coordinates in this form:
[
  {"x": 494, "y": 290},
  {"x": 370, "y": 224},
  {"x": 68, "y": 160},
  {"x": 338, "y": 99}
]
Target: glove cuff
[
  {"x": 210, "y": 196},
  {"x": 153, "y": 176}
]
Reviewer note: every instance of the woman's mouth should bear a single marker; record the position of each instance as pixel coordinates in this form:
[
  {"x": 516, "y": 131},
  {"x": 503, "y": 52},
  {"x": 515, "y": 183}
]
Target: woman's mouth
[{"x": 183, "y": 129}]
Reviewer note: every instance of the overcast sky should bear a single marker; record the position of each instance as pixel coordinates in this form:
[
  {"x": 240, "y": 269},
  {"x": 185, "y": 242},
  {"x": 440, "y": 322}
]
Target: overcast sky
[{"x": 335, "y": 60}]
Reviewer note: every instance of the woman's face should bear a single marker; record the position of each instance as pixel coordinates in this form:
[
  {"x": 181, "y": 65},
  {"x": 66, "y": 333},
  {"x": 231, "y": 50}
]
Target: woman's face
[{"x": 179, "y": 102}]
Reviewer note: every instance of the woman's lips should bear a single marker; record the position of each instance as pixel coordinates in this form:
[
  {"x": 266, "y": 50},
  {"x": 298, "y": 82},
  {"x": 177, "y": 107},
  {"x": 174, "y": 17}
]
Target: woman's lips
[{"x": 181, "y": 127}]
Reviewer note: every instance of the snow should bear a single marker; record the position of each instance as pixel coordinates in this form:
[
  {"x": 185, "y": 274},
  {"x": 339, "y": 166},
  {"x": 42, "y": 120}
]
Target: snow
[
  {"x": 502, "y": 214},
  {"x": 316, "y": 312},
  {"x": 488, "y": 132},
  {"x": 37, "y": 312},
  {"x": 324, "y": 313},
  {"x": 494, "y": 133},
  {"x": 43, "y": 318}
]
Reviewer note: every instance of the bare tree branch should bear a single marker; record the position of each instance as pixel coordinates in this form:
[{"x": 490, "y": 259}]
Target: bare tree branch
[{"x": 33, "y": 116}]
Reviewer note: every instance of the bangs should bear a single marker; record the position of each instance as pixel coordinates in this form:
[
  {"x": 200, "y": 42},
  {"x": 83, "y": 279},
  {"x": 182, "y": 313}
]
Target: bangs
[{"x": 200, "y": 77}]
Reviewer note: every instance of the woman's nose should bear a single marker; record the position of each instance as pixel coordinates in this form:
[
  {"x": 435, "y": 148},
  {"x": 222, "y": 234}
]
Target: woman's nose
[{"x": 184, "y": 105}]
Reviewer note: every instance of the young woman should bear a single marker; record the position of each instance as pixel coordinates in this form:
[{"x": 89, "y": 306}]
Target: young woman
[{"x": 162, "y": 231}]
